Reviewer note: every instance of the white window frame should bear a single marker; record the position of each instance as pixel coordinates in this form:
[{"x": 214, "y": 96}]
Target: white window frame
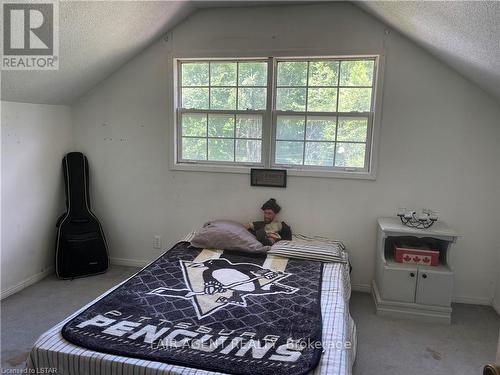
[{"x": 268, "y": 146}]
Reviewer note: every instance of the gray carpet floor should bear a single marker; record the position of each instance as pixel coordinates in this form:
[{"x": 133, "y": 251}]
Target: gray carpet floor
[
  {"x": 389, "y": 346},
  {"x": 385, "y": 346}
]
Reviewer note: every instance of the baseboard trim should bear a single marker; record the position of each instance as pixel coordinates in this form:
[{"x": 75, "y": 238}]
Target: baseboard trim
[
  {"x": 366, "y": 288},
  {"x": 363, "y": 288},
  {"x": 27, "y": 282},
  {"x": 129, "y": 262},
  {"x": 472, "y": 300}
]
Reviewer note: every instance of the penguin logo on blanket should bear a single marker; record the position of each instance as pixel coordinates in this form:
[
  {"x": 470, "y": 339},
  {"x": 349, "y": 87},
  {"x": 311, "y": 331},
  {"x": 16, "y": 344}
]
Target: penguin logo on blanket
[{"x": 217, "y": 283}]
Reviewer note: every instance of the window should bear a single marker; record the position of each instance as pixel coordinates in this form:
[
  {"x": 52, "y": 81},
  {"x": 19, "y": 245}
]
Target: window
[
  {"x": 307, "y": 114},
  {"x": 222, "y": 105}
]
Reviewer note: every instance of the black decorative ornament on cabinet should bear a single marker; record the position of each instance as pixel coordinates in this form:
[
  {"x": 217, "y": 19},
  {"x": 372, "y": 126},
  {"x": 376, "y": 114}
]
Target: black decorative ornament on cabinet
[{"x": 424, "y": 220}]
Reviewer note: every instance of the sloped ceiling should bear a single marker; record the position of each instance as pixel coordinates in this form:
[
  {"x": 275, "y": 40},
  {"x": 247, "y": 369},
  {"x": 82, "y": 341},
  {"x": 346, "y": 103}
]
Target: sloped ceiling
[
  {"x": 464, "y": 34},
  {"x": 97, "y": 37}
]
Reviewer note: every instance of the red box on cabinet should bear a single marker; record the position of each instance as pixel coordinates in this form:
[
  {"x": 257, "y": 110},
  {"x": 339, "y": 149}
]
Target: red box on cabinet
[{"x": 416, "y": 254}]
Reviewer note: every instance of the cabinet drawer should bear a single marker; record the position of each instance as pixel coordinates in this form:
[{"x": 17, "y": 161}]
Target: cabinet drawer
[
  {"x": 434, "y": 288},
  {"x": 399, "y": 283}
]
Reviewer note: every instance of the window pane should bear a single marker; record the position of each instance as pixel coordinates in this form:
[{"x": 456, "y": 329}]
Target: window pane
[
  {"x": 350, "y": 155},
  {"x": 248, "y": 126},
  {"x": 223, "y": 98},
  {"x": 352, "y": 129},
  {"x": 252, "y": 98},
  {"x": 292, "y": 73},
  {"x": 195, "y": 98},
  {"x": 194, "y": 125},
  {"x": 291, "y": 99},
  {"x": 220, "y": 126},
  {"x": 289, "y": 152},
  {"x": 320, "y": 129},
  {"x": 322, "y": 100},
  {"x": 356, "y": 73},
  {"x": 248, "y": 151},
  {"x": 355, "y": 100},
  {"x": 194, "y": 148},
  {"x": 221, "y": 149},
  {"x": 252, "y": 74},
  {"x": 194, "y": 74},
  {"x": 319, "y": 153},
  {"x": 222, "y": 74},
  {"x": 323, "y": 73},
  {"x": 290, "y": 127}
]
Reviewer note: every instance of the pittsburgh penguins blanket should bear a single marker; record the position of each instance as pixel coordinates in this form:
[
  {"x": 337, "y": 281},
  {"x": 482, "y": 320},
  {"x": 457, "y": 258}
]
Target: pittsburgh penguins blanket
[{"x": 211, "y": 309}]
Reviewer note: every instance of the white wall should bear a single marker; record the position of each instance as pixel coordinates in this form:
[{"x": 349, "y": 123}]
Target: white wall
[
  {"x": 34, "y": 139},
  {"x": 439, "y": 145},
  {"x": 496, "y": 298}
]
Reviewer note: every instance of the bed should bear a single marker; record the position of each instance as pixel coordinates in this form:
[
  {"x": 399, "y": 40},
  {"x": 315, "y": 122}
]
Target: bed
[{"x": 52, "y": 352}]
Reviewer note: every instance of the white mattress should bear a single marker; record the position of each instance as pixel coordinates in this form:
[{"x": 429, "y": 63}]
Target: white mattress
[{"x": 51, "y": 351}]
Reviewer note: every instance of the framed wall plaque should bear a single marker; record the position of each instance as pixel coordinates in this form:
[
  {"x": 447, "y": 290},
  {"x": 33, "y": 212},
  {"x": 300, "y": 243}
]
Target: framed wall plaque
[{"x": 268, "y": 177}]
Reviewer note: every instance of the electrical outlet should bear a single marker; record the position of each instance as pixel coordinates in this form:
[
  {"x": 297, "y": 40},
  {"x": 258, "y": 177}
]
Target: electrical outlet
[{"x": 157, "y": 242}]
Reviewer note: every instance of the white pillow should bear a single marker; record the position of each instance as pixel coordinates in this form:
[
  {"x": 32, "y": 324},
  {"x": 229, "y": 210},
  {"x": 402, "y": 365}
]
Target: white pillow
[{"x": 312, "y": 249}]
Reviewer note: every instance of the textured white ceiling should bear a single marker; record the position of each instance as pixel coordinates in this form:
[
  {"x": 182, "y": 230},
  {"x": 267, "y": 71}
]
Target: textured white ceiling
[
  {"x": 97, "y": 37},
  {"x": 464, "y": 34}
]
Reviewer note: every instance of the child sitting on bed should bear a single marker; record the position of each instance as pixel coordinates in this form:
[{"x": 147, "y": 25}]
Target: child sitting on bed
[{"x": 269, "y": 231}]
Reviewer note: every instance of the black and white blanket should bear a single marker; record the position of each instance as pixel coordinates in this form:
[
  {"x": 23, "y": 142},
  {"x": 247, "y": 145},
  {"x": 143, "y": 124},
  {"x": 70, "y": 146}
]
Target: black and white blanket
[{"x": 214, "y": 310}]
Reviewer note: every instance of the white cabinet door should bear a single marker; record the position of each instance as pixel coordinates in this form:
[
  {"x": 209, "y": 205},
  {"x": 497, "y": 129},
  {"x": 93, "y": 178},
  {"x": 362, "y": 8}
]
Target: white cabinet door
[
  {"x": 398, "y": 283},
  {"x": 434, "y": 288}
]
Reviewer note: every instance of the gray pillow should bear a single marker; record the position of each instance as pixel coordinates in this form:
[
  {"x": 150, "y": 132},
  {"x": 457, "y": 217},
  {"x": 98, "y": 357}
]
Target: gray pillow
[{"x": 227, "y": 235}]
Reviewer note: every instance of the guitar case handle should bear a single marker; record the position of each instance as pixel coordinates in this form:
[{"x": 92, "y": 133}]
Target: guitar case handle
[{"x": 73, "y": 220}]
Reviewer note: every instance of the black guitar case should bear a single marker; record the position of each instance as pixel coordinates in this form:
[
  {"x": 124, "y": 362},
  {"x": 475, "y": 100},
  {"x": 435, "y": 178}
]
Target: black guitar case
[{"x": 81, "y": 248}]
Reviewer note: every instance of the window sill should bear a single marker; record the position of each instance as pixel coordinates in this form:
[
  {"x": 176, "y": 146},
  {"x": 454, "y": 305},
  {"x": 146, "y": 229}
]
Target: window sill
[
  {"x": 290, "y": 172},
  {"x": 193, "y": 167}
]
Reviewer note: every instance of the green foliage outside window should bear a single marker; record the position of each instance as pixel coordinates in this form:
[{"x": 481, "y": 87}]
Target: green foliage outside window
[
  {"x": 327, "y": 93},
  {"x": 217, "y": 85},
  {"x": 325, "y": 86},
  {"x": 221, "y": 137}
]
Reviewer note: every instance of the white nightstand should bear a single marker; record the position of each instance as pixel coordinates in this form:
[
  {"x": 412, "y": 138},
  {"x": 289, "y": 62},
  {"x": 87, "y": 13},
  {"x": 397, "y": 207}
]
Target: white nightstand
[{"x": 412, "y": 290}]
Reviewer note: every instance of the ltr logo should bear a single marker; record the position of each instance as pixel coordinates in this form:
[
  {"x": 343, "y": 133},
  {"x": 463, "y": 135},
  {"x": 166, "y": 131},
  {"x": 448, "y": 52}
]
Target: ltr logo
[{"x": 28, "y": 30}]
